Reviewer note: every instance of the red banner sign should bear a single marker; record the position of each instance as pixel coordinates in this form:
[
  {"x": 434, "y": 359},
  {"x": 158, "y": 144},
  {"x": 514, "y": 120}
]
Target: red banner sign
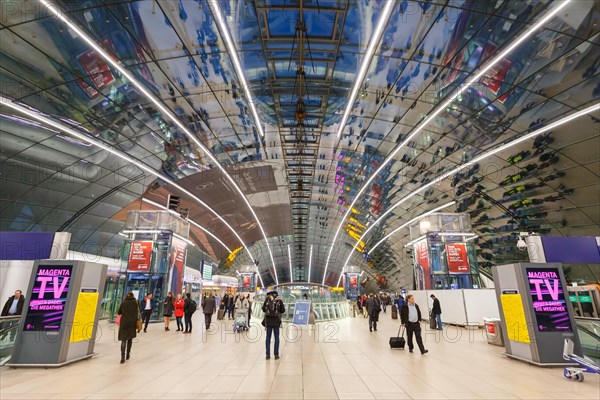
[
  {"x": 458, "y": 261},
  {"x": 247, "y": 280},
  {"x": 423, "y": 276},
  {"x": 140, "y": 256},
  {"x": 353, "y": 281},
  {"x": 177, "y": 264}
]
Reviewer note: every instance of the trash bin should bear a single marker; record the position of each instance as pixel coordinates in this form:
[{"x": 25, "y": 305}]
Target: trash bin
[{"x": 493, "y": 331}]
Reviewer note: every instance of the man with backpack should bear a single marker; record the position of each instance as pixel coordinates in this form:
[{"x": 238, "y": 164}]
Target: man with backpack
[
  {"x": 273, "y": 308},
  {"x": 189, "y": 307}
]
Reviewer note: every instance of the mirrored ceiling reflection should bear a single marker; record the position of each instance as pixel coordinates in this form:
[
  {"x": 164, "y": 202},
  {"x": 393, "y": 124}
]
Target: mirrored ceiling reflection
[{"x": 301, "y": 59}]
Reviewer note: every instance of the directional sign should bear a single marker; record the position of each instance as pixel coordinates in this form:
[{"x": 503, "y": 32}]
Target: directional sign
[{"x": 301, "y": 311}]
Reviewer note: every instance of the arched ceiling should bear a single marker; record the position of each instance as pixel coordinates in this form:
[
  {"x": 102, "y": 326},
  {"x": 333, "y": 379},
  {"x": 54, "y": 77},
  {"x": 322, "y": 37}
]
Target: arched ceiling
[{"x": 180, "y": 106}]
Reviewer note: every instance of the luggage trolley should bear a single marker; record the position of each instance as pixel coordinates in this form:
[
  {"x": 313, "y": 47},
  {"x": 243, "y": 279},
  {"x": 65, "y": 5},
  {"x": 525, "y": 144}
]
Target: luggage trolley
[{"x": 585, "y": 365}]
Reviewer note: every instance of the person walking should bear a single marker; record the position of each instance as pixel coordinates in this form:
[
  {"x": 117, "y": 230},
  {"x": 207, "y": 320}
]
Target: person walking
[
  {"x": 146, "y": 310},
  {"x": 208, "y": 308},
  {"x": 14, "y": 304},
  {"x": 311, "y": 313},
  {"x": 249, "y": 308},
  {"x": 179, "y": 304},
  {"x": 436, "y": 310},
  {"x": 189, "y": 307},
  {"x": 168, "y": 308},
  {"x": 128, "y": 310},
  {"x": 273, "y": 308},
  {"x": 410, "y": 317},
  {"x": 383, "y": 301},
  {"x": 230, "y": 306},
  {"x": 373, "y": 306},
  {"x": 359, "y": 305}
]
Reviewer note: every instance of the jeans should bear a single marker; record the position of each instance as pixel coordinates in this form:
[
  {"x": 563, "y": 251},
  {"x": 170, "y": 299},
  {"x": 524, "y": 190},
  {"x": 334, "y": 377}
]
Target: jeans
[
  {"x": 179, "y": 323},
  {"x": 414, "y": 327},
  {"x": 188, "y": 322},
  {"x": 146, "y": 318},
  {"x": 438, "y": 318},
  {"x": 270, "y": 331}
]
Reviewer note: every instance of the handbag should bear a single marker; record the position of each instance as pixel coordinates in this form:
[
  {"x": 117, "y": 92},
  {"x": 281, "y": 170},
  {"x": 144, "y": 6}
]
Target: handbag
[
  {"x": 118, "y": 320},
  {"x": 398, "y": 342},
  {"x": 138, "y": 324}
]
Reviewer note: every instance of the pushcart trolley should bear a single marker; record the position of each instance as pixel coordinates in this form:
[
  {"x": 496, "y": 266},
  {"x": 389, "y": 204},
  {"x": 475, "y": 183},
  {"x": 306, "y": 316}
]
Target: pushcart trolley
[
  {"x": 585, "y": 365},
  {"x": 239, "y": 323}
]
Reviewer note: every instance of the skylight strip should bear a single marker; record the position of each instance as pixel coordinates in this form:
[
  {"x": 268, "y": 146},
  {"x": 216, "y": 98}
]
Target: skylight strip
[
  {"x": 310, "y": 262},
  {"x": 38, "y": 117},
  {"x": 197, "y": 225},
  {"x": 116, "y": 64},
  {"x": 578, "y": 114},
  {"x": 290, "y": 259},
  {"x": 439, "y": 109}
]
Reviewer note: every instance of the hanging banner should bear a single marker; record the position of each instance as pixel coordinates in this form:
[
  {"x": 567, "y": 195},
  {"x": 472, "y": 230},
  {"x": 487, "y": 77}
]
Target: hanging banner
[
  {"x": 458, "y": 261},
  {"x": 48, "y": 298},
  {"x": 422, "y": 273},
  {"x": 176, "y": 264},
  {"x": 140, "y": 256}
]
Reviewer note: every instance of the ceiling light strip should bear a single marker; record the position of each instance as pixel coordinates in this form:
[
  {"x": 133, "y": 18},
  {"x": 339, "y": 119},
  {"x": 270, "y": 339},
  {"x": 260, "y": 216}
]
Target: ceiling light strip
[
  {"x": 290, "y": 259},
  {"x": 116, "y": 64},
  {"x": 375, "y": 38},
  {"x": 38, "y": 117},
  {"x": 439, "y": 109},
  {"x": 197, "y": 225},
  {"x": 310, "y": 262},
  {"x": 578, "y": 114}
]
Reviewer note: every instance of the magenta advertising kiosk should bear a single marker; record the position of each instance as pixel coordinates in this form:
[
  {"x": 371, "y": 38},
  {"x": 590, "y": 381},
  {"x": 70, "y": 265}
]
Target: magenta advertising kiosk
[
  {"x": 59, "y": 322},
  {"x": 535, "y": 315}
]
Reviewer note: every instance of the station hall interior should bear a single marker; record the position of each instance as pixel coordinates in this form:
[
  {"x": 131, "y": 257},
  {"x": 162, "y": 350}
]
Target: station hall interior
[{"x": 348, "y": 155}]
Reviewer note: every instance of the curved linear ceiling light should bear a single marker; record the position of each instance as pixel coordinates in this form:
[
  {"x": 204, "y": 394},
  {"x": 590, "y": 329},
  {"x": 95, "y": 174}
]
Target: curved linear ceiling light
[
  {"x": 197, "y": 225},
  {"x": 290, "y": 259},
  {"x": 375, "y": 38},
  {"x": 39, "y": 117},
  {"x": 310, "y": 262},
  {"x": 168, "y": 113},
  {"x": 538, "y": 25},
  {"x": 586, "y": 111}
]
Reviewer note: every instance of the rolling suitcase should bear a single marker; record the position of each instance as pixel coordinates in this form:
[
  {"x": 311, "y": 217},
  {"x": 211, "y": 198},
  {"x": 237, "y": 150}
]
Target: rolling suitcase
[
  {"x": 394, "y": 312},
  {"x": 398, "y": 342},
  {"x": 220, "y": 314},
  {"x": 432, "y": 321}
]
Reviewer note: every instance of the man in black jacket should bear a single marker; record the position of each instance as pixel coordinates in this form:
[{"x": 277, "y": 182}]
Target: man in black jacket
[
  {"x": 437, "y": 312},
  {"x": 373, "y": 309},
  {"x": 273, "y": 308},
  {"x": 410, "y": 317},
  {"x": 14, "y": 304}
]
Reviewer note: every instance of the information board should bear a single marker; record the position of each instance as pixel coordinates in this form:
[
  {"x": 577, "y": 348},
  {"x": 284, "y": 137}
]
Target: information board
[
  {"x": 48, "y": 297},
  {"x": 85, "y": 315},
  {"x": 514, "y": 314},
  {"x": 548, "y": 300},
  {"x": 301, "y": 312}
]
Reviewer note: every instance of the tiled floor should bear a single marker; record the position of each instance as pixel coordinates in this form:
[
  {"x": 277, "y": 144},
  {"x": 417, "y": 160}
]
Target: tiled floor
[{"x": 340, "y": 360}]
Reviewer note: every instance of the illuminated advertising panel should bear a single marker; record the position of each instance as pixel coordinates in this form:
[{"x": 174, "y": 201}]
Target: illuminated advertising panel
[
  {"x": 548, "y": 300},
  {"x": 140, "y": 256},
  {"x": 48, "y": 298},
  {"x": 458, "y": 261},
  {"x": 422, "y": 274}
]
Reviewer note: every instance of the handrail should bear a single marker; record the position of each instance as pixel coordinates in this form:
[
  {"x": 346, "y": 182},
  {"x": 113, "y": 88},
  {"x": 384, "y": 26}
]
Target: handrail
[
  {"x": 588, "y": 319},
  {"x": 8, "y": 329}
]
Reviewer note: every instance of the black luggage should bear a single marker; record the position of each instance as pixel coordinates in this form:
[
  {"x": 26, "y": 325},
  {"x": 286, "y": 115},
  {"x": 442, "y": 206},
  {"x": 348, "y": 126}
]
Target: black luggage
[
  {"x": 220, "y": 314},
  {"x": 394, "y": 312},
  {"x": 432, "y": 321},
  {"x": 398, "y": 342}
]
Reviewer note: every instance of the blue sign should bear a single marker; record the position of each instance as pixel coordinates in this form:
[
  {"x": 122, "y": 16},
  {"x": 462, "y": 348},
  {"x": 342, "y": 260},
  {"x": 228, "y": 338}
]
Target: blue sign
[{"x": 301, "y": 311}]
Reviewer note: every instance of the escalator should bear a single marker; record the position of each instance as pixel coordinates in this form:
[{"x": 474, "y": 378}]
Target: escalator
[
  {"x": 8, "y": 333},
  {"x": 588, "y": 330}
]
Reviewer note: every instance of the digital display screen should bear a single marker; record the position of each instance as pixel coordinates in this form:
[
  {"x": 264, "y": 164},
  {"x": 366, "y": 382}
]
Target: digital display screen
[
  {"x": 48, "y": 298},
  {"x": 548, "y": 299}
]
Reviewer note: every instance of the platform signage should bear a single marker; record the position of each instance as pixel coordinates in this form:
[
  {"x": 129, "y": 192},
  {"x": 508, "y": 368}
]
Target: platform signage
[
  {"x": 140, "y": 256},
  {"x": 48, "y": 298},
  {"x": 458, "y": 261},
  {"x": 548, "y": 300},
  {"x": 301, "y": 312}
]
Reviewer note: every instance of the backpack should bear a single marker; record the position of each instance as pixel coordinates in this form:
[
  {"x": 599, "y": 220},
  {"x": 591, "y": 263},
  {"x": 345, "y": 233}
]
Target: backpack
[
  {"x": 192, "y": 307},
  {"x": 271, "y": 308}
]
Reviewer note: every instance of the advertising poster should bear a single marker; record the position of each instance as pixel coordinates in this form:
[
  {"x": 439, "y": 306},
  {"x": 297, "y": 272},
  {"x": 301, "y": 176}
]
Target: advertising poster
[
  {"x": 458, "y": 261},
  {"x": 246, "y": 281},
  {"x": 353, "y": 281},
  {"x": 176, "y": 264},
  {"x": 97, "y": 70},
  {"x": 48, "y": 298},
  {"x": 548, "y": 300},
  {"x": 422, "y": 274},
  {"x": 140, "y": 256}
]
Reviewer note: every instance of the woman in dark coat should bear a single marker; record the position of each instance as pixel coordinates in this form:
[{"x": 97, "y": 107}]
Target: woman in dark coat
[
  {"x": 128, "y": 310},
  {"x": 169, "y": 307}
]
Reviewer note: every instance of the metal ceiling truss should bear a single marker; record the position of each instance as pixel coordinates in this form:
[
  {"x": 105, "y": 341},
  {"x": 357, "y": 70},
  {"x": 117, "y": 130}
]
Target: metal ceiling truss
[{"x": 300, "y": 95}]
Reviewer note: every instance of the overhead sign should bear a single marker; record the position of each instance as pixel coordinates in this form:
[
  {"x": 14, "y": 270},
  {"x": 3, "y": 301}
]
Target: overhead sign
[
  {"x": 548, "y": 300},
  {"x": 140, "y": 256},
  {"x": 458, "y": 260},
  {"x": 301, "y": 312},
  {"x": 48, "y": 298},
  {"x": 207, "y": 271}
]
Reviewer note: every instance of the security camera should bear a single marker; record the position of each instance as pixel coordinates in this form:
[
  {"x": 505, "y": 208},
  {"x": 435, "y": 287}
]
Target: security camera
[{"x": 521, "y": 244}]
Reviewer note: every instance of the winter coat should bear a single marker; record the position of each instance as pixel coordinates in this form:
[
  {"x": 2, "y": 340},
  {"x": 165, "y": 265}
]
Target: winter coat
[
  {"x": 169, "y": 307},
  {"x": 437, "y": 309},
  {"x": 9, "y": 302},
  {"x": 404, "y": 313},
  {"x": 273, "y": 322},
  {"x": 208, "y": 305},
  {"x": 373, "y": 306},
  {"x": 179, "y": 307},
  {"x": 128, "y": 310}
]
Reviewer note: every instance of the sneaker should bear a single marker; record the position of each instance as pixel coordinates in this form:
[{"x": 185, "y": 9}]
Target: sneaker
[{"x": 425, "y": 351}]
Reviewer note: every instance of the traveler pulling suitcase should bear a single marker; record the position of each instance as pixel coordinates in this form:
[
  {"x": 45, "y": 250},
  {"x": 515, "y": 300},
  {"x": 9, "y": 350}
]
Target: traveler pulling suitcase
[
  {"x": 394, "y": 312},
  {"x": 398, "y": 342}
]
